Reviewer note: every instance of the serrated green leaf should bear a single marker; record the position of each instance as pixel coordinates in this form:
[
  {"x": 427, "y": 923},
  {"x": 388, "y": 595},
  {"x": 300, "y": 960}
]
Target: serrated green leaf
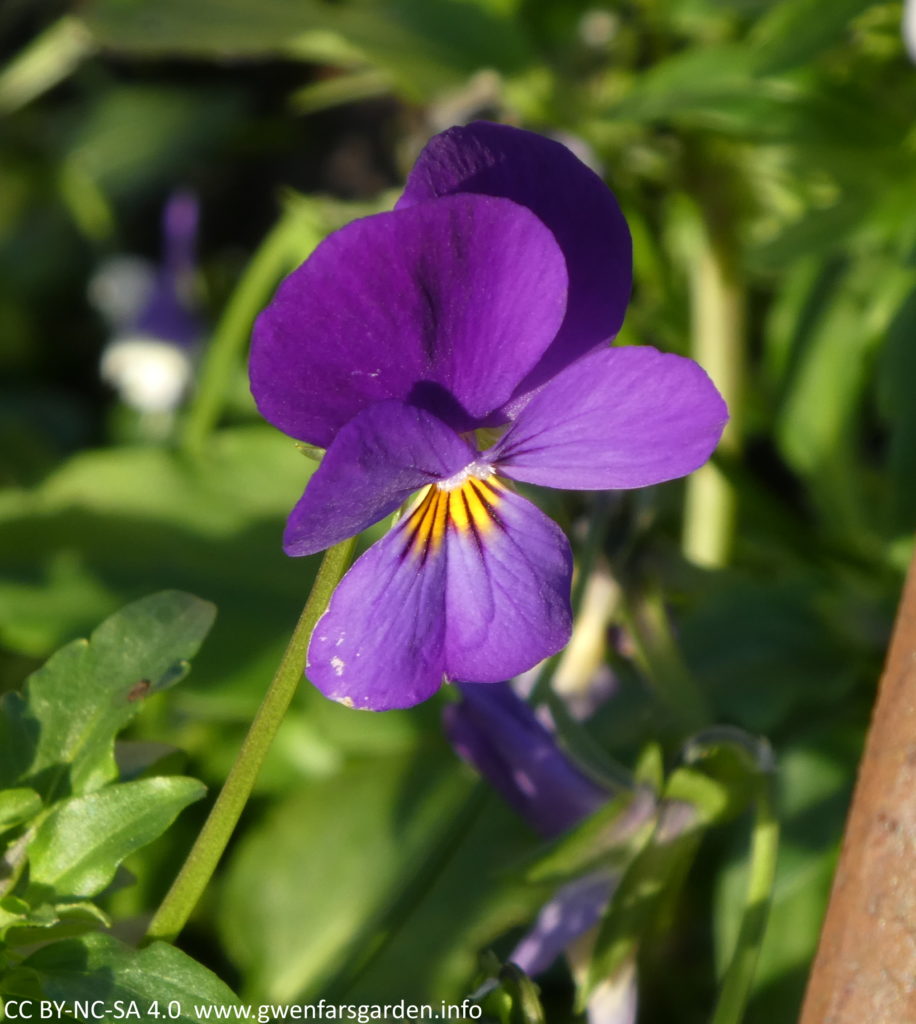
[
  {"x": 62, "y": 732},
  {"x": 100, "y": 967},
  {"x": 78, "y": 847},
  {"x": 47, "y": 922},
  {"x": 17, "y": 806}
]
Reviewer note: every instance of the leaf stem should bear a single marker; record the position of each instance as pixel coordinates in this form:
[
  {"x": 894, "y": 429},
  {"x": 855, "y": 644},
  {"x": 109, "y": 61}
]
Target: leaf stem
[
  {"x": 294, "y": 235},
  {"x": 205, "y": 854},
  {"x": 736, "y": 985}
]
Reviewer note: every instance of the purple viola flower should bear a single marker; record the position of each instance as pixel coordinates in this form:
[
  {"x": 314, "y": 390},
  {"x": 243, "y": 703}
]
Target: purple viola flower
[{"x": 485, "y": 299}]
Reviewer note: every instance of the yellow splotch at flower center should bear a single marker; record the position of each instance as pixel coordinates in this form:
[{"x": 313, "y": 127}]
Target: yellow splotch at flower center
[{"x": 470, "y": 509}]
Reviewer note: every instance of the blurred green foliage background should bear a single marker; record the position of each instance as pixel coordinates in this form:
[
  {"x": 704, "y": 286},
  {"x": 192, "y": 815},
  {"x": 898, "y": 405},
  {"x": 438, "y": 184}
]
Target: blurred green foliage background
[{"x": 764, "y": 153}]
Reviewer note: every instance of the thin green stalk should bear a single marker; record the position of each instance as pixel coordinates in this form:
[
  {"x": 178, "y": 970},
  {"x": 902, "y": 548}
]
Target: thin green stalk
[
  {"x": 717, "y": 295},
  {"x": 290, "y": 240},
  {"x": 201, "y": 862},
  {"x": 47, "y": 60},
  {"x": 736, "y": 985},
  {"x": 658, "y": 655}
]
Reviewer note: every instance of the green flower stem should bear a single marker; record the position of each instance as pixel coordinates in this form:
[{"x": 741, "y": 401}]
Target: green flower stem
[
  {"x": 291, "y": 240},
  {"x": 201, "y": 862},
  {"x": 736, "y": 985},
  {"x": 718, "y": 300}
]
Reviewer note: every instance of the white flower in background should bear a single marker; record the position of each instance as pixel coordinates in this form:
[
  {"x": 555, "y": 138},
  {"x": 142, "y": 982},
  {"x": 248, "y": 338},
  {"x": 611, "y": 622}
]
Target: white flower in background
[{"x": 150, "y": 357}]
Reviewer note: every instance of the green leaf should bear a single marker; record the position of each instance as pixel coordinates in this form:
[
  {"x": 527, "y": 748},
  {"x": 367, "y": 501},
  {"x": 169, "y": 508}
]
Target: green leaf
[
  {"x": 17, "y": 806},
  {"x": 205, "y": 28},
  {"x": 334, "y": 854},
  {"x": 425, "y": 47},
  {"x": 61, "y": 733},
  {"x": 78, "y": 847},
  {"x": 48, "y": 922},
  {"x": 111, "y": 524},
  {"x": 100, "y": 967},
  {"x": 795, "y": 31}
]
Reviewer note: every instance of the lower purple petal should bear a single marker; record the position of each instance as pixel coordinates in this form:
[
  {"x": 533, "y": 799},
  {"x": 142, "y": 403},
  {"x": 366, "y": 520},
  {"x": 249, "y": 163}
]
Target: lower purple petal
[
  {"x": 618, "y": 418},
  {"x": 380, "y": 644},
  {"x": 507, "y": 598}
]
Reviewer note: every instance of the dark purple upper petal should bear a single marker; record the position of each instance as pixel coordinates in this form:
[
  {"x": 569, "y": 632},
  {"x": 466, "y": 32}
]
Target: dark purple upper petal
[
  {"x": 618, "y": 418},
  {"x": 496, "y": 732},
  {"x": 446, "y": 305},
  {"x": 577, "y": 206},
  {"x": 374, "y": 464}
]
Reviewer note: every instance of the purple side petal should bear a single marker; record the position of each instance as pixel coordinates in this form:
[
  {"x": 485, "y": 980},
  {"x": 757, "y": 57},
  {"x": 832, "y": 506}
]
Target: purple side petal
[
  {"x": 618, "y": 418},
  {"x": 507, "y": 600},
  {"x": 574, "y": 908},
  {"x": 577, "y": 206},
  {"x": 447, "y": 305},
  {"x": 376, "y": 461},
  {"x": 380, "y": 643},
  {"x": 496, "y": 732}
]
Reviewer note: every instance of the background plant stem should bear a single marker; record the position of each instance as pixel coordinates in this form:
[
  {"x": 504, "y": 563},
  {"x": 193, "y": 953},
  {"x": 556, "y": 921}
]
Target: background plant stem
[
  {"x": 736, "y": 985},
  {"x": 291, "y": 239},
  {"x": 201, "y": 862},
  {"x": 717, "y": 343}
]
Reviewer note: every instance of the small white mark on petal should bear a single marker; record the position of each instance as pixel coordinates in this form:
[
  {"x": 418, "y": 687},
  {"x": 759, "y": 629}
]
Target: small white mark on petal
[
  {"x": 338, "y": 665},
  {"x": 346, "y": 701}
]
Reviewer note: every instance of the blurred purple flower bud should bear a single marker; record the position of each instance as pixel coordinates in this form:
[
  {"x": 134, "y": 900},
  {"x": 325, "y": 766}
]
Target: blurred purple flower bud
[
  {"x": 150, "y": 358},
  {"x": 495, "y": 731}
]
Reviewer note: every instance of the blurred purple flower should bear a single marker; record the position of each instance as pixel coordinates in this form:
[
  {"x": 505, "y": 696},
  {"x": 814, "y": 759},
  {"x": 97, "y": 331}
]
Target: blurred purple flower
[
  {"x": 497, "y": 732},
  {"x": 150, "y": 358},
  {"x": 485, "y": 299}
]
